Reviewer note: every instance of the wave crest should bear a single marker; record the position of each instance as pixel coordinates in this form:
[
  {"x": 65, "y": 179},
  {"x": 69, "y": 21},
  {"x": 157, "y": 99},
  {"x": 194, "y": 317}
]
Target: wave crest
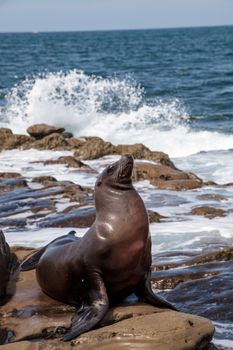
[{"x": 114, "y": 109}]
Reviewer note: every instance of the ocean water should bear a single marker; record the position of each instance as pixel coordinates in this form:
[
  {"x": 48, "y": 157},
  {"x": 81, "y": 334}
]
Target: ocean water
[{"x": 169, "y": 89}]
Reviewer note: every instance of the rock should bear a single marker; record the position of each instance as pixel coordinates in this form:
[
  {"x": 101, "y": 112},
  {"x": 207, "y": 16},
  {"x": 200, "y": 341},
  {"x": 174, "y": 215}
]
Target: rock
[
  {"x": 201, "y": 284},
  {"x": 44, "y": 136},
  {"x": 166, "y": 177},
  {"x": 9, "y": 175},
  {"x": 160, "y": 331},
  {"x": 139, "y": 151},
  {"x": 67, "y": 135},
  {"x": 12, "y": 141},
  {"x": 54, "y": 141},
  {"x": 22, "y": 252},
  {"x": 15, "y": 222},
  {"x": 44, "y": 203},
  {"x": 10, "y": 184},
  {"x": 212, "y": 197},
  {"x": 154, "y": 216},
  {"x": 44, "y": 180},
  {"x": 31, "y": 314},
  {"x": 38, "y": 131},
  {"x": 75, "y": 143},
  {"x": 5, "y": 132},
  {"x": 22, "y": 345},
  {"x": 208, "y": 212},
  {"x": 81, "y": 217},
  {"x": 69, "y": 161},
  {"x": 78, "y": 194},
  {"x": 94, "y": 148}
]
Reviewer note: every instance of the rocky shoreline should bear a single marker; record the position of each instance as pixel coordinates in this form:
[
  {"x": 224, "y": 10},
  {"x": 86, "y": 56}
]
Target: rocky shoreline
[{"x": 35, "y": 202}]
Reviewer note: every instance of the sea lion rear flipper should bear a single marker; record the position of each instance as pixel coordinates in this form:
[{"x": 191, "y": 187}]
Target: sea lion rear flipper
[
  {"x": 31, "y": 262},
  {"x": 92, "y": 312},
  {"x": 146, "y": 294}
]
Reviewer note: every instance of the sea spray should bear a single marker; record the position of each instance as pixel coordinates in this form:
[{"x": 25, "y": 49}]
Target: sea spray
[{"x": 117, "y": 110}]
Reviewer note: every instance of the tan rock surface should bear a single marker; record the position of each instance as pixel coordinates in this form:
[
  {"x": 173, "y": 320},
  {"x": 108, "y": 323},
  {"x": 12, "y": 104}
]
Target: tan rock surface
[
  {"x": 165, "y": 177},
  {"x": 208, "y": 212},
  {"x": 95, "y": 147},
  {"x": 39, "y": 131},
  {"x": 32, "y": 314}
]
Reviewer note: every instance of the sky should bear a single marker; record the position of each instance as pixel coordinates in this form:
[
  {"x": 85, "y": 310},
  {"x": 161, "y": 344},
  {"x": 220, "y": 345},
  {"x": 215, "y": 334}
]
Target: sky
[{"x": 65, "y": 15}]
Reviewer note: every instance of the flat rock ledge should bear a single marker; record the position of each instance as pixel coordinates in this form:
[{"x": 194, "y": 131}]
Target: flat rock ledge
[{"x": 32, "y": 320}]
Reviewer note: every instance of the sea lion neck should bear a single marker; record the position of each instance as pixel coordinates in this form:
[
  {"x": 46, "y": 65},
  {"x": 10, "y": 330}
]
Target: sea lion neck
[{"x": 109, "y": 194}]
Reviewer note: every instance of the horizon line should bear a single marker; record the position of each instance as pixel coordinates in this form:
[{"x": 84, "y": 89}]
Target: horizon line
[{"x": 35, "y": 31}]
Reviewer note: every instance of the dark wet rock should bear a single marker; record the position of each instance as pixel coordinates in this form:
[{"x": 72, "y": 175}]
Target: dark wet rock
[
  {"x": 31, "y": 314},
  {"x": 40, "y": 204},
  {"x": 208, "y": 212},
  {"x": 67, "y": 135},
  {"x": 69, "y": 161},
  {"x": 77, "y": 193},
  {"x": 223, "y": 254},
  {"x": 38, "y": 131},
  {"x": 165, "y": 177},
  {"x": 154, "y": 216},
  {"x": 210, "y": 296},
  {"x": 9, "y": 184},
  {"x": 20, "y": 206},
  {"x": 44, "y": 180},
  {"x": 19, "y": 222},
  {"x": 212, "y": 197},
  {"x": 199, "y": 284},
  {"x": 22, "y": 194},
  {"x": 81, "y": 217}
]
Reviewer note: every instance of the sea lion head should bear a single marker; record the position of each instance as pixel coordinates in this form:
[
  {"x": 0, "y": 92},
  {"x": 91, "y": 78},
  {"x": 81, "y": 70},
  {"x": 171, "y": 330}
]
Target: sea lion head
[{"x": 118, "y": 174}]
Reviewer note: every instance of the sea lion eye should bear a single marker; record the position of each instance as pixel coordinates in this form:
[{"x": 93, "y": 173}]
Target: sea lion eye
[
  {"x": 110, "y": 169},
  {"x": 99, "y": 183}
]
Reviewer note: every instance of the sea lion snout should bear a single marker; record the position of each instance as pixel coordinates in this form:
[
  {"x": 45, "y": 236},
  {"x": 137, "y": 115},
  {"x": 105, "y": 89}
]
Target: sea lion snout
[
  {"x": 126, "y": 163},
  {"x": 128, "y": 158}
]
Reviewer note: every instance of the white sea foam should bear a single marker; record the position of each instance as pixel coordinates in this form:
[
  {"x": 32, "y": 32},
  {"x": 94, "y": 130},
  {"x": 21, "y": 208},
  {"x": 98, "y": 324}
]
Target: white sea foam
[{"x": 114, "y": 109}]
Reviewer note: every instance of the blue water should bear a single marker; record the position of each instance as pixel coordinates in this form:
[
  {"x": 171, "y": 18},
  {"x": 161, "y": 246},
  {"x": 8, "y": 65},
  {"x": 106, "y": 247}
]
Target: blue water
[{"x": 194, "y": 65}]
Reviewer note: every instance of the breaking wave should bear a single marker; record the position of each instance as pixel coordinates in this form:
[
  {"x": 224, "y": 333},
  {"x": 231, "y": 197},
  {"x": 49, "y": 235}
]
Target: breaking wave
[{"x": 112, "y": 108}]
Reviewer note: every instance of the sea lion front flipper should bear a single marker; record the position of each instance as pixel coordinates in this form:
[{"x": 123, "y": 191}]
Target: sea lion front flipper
[
  {"x": 31, "y": 262},
  {"x": 91, "y": 312},
  {"x": 146, "y": 294}
]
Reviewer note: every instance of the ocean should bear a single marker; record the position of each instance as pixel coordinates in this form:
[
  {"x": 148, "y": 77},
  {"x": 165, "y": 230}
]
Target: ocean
[{"x": 170, "y": 89}]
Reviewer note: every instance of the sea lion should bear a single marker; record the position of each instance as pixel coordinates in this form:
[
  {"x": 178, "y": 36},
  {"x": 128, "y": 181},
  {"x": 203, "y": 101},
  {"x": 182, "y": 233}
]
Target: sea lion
[
  {"x": 111, "y": 261},
  {"x": 5, "y": 266}
]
